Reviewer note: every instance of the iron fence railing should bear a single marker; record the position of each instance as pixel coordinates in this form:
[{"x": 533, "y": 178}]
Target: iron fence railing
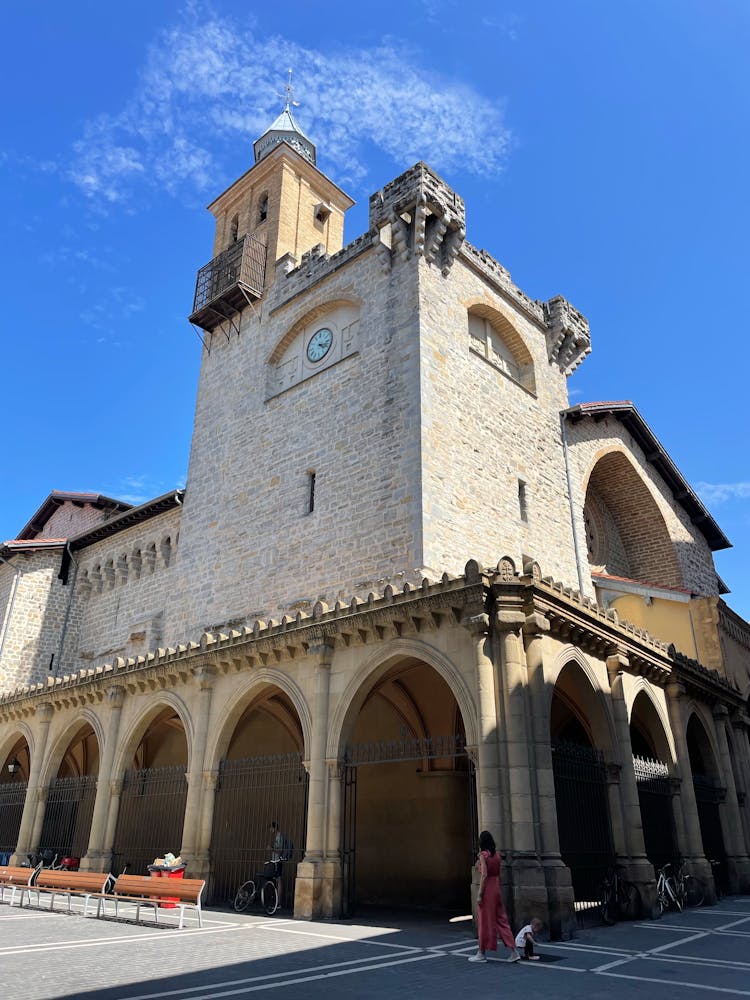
[
  {"x": 252, "y": 793},
  {"x": 414, "y": 748},
  {"x": 12, "y": 799},
  {"x": 67, "y": 816},
  {"x": 151, "y": 816},
  {"x": 242, "y": 263}
]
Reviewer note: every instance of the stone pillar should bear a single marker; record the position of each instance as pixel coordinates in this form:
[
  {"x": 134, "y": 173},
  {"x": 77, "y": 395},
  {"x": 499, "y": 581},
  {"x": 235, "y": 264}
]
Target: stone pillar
[
  {"x": 99, "y": 850},
  {"x": 42, "y": 793},
  {"x": 488, "y": 773},
  {"x": 115, "y": 791},
  {"x": 738, "y": 863},
  {"x": 32, "y": 803},
  {"x": 560, "y": 908},
  {"x": 205, "y": 675},
  {"x": 692, "y": 846},
  {"x": 640, "y": 869},
  {"x": 313, "y": 885},
  {"x": 528, "y": 885},
  {"x": 742, "y": 757},
  {"x": 208, "y": 800}
]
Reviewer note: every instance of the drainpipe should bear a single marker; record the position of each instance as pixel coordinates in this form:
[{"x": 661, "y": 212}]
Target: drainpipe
[
  {"x": 570, "y": 500},
  {"x": 67, "y": 609},
  {"x": 9, "y": 615}
]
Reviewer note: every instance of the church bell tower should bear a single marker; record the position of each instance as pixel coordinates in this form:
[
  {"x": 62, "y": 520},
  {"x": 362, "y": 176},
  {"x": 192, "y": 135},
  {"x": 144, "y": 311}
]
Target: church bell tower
[{"x": 279, "y": 209}]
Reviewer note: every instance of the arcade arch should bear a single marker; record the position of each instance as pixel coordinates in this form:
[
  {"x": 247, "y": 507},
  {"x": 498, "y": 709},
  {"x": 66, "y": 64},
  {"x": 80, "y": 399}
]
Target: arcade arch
[
  {"x": 148, "y": 802},
  {"x": 708, "y": 796},
  {"x": 409, "y": 794},
  {"x": 652, "y": 759},
  {"x": 14, "y": 776},
  {"x": 73, "y": 767},
  {"x": 580, "y": 733},
  {"x": 260, "y": 779}
]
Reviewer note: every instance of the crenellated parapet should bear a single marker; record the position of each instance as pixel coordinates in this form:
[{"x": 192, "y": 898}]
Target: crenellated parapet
[
  {"x": 419, "y": 214},
  {"x": 568, "y": 335}
]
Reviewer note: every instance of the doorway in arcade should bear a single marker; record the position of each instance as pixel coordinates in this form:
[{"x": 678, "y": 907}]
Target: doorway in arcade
[{"x": 409, "y": 797}]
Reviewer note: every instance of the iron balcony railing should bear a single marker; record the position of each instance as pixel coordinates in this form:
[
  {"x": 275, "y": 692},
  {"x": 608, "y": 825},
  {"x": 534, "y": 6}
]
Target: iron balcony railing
[{"x": 242, "y": 263}]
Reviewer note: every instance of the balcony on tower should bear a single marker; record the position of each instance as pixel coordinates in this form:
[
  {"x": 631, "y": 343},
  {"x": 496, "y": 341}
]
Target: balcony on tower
[{"x": 229, "y": 282}]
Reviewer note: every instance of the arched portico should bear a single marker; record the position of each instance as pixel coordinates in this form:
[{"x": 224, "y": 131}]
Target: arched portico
[
  {"x": 581, "y": 733},
  {"x": 710, "y": 791},
  {"x": 63, "y": 821},
  {"x": 409, "y": 800},
  {"x": 652, "y": 763},
  {"x": 148, "y": 787},
  {"x": 15, "y": 760},
  {"x": 258, "y": 777}
]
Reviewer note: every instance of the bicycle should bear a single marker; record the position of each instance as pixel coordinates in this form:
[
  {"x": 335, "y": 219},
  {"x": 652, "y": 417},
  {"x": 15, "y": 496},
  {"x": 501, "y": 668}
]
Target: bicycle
[
  {"x": 619, "y": 898},
  {"x": 667, "y": 892},
  {"x": 263, "y": 886},
  {"x": 689, "y": 890}
]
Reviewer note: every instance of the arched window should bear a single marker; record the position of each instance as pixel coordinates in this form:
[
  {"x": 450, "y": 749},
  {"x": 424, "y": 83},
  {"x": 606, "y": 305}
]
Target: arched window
[
  {"x": 495, "y": 339},
  {"x": 262, "y": 208}
]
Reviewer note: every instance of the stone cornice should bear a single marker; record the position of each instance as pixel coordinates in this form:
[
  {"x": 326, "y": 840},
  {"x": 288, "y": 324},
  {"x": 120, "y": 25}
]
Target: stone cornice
[{"x": 518, "y": 598}]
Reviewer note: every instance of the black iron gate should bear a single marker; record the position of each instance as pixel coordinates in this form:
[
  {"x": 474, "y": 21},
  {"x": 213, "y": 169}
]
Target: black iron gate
[
  {"x": 251, "y": 794},
  {"x": 151, "y": 816},
  {"x": 657, "y": 818},
  {"x": 389, "y": 752},
  {"x": 707, "y": 797},
  {"x": 583, "y": 822},
  {"x": 12, "y": 799},
  {"x": 67, "y": 816}
]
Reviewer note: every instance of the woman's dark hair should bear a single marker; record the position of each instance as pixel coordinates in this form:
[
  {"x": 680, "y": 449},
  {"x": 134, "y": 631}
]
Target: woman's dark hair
[{"x": 487, "y": 842}]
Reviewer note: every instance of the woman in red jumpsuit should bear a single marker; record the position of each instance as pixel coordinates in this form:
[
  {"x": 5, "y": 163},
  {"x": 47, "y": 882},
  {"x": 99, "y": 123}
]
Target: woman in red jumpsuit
[{"x": 493, "y": 920}]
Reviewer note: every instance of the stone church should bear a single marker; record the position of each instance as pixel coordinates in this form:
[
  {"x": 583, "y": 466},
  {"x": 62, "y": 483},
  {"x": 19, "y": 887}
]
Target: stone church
[{"x": 408, "y": 593}]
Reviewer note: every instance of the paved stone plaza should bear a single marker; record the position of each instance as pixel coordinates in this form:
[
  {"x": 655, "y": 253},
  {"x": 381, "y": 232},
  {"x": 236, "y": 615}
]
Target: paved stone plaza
[{"x": 48, "y": 955}]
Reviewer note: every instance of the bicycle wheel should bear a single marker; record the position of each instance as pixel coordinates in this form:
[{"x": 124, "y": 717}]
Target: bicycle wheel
[
  {"x": 270, "y": 897},
  {"x": 693, "y": 892},
  {"x": 630, "y": 900},
  {"x": 609, "y": 906},
  {"x": 672, "y": 894},
  {"x": 244, "y": 894}
]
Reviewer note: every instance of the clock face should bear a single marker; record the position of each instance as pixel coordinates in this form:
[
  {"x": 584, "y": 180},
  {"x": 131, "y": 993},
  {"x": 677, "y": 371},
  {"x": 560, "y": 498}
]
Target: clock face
[{"x": 319, "y": 344}]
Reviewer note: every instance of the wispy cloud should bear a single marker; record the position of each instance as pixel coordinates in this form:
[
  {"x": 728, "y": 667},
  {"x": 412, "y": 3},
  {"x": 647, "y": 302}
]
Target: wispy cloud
[
  {"x": 209, "y": 84},
  {"x": 714, "y": 493}
]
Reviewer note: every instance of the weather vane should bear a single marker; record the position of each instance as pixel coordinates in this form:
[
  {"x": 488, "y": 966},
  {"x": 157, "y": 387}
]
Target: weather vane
[{"x": 288, "y": 97}]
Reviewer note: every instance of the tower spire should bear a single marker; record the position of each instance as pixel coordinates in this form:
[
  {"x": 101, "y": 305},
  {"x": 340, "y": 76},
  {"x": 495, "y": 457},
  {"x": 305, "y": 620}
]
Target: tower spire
[{"x": 285, "y": 129}]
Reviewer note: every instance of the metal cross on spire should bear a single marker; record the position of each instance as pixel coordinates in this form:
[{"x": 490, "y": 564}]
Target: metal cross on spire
[{"x": 288, "y": 96}]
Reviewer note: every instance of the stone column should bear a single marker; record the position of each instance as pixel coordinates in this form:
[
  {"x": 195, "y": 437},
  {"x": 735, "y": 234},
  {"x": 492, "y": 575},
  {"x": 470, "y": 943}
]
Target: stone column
[
  {"x": 640, "y": 869},
  {"x": 42, "y": 793},
  {"x": 692, "y": 847},
  {"x": 560, "y": 907},
  {"x": 210, "y": 782},
  {"x": 205, "y": 675},
  {"x": 99, "y": 850},
  {"x": 488, "y": 773},
  {"x": 742, "y": 756},
  {"x": 738, "y": 862},
  {"x": 32, "y": 803},
  {"x": 315, "y": 874},
  {"x": 529, "y": 889},
  {"x": 115, "y": 791}
]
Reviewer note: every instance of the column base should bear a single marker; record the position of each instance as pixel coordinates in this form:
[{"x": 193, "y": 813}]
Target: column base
[
  {"x": 640, "y": 872},
  {"x": 198, "y": 866},
  {"x": 317, "y": 890},
  {"x": 528, "y": 890},
  {"x": 738, "y": 870},
  {"x": 561, "y": 909},
  {"x": 96, "y": 861}
]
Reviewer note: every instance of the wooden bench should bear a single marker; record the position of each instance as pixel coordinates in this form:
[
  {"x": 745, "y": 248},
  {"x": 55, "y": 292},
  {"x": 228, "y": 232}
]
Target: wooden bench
[
  {"x": 13, "y": 878},
  {"x": 140, "y": 890},
  {"x": 71, "y": 885}
]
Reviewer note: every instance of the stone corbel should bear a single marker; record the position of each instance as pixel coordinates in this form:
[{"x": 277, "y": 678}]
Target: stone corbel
[{"x": 613, "y": 772}]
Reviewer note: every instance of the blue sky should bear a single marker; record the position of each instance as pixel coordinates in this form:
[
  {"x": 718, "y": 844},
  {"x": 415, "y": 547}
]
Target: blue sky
[{"x": 602, "y": 150}]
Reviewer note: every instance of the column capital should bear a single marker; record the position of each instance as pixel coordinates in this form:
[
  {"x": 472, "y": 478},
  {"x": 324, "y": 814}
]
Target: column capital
[
  {"x": 720, "y": 711},
  {"x": 323, "y": 652},
  {"x": 210, "y": 779},
  {"x": 478, "y": 625},
  {"x": 675, "y": 690},
  {"x": 205, "y": 674},
  {"x": 618, "y": 662},
  {"x": 509, "y": 620},
  {"x": 45, "y": 711},
  {"x": 115, "y": 695},
  {"x": 535, "y": 625}
]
